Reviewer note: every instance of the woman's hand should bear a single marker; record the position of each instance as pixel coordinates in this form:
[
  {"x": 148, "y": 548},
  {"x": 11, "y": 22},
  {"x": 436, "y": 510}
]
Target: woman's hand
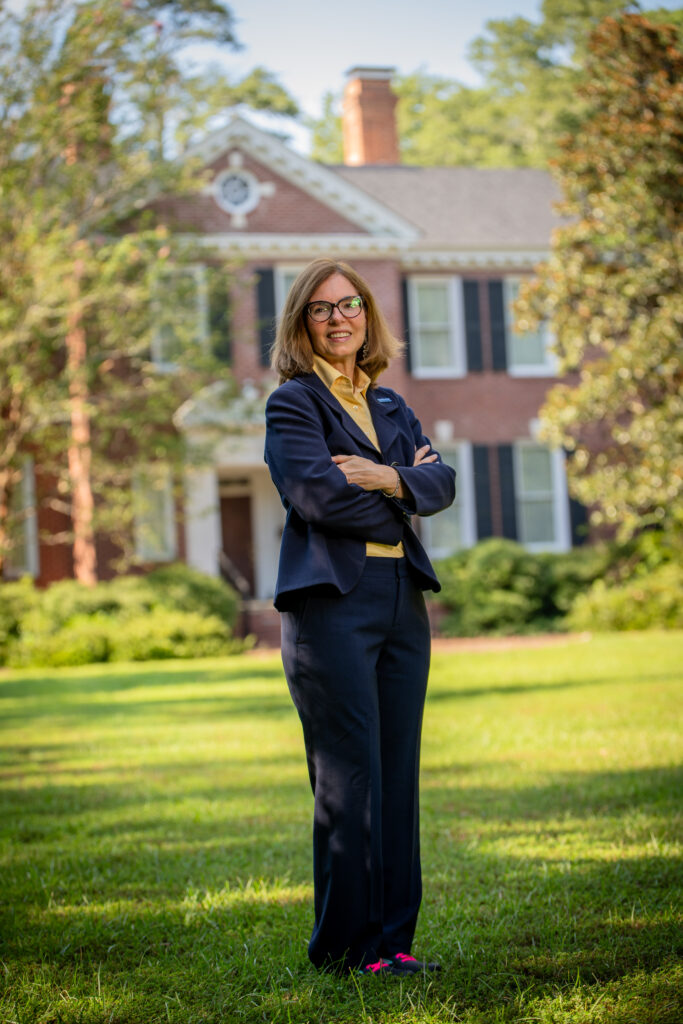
[
  {"x": 375, "y": 476},
  {"x": 371, "y": 476},
  {"x": 421, "y": 456}
]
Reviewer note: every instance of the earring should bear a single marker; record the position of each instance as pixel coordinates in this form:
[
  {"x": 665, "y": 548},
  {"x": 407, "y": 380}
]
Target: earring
[{"x": 364, "y": 349}]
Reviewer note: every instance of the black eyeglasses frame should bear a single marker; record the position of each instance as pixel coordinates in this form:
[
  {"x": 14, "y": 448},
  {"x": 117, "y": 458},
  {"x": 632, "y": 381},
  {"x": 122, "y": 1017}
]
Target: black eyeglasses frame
[{"x": 333, "y": 306}]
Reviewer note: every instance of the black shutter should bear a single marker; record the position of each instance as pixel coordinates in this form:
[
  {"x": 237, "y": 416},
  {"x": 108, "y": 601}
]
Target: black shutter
[
  {"x": 406, "y": 324},
  {"x": 482, "y": 490},
  {"x": 219, "y": 315},
  {"x": 578, "y": 517},
  {"x": 475, "y": 361},
  {"x": 265, "y": 297},
  {"x": 507, "y": 491},
  {"x": 497, "y": 316}
]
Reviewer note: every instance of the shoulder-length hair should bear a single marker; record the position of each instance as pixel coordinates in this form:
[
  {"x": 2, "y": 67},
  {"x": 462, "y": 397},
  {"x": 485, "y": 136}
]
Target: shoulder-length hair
[{"x": 292, "y": 353}]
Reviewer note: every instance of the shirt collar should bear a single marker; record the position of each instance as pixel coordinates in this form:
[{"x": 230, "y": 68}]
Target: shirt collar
[{"x": 329, "y": 375}]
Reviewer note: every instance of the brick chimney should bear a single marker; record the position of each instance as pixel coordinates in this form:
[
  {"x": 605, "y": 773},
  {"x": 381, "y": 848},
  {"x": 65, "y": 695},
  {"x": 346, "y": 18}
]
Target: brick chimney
[{"x": 368, "y": 118}]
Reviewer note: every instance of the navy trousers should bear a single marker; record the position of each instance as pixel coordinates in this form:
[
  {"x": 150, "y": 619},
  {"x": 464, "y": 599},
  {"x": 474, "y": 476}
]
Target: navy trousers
[{"x": 357, "y": 668}]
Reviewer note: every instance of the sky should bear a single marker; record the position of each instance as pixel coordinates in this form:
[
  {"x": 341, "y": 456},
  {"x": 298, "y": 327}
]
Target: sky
[{"x": 309, "y": 45}]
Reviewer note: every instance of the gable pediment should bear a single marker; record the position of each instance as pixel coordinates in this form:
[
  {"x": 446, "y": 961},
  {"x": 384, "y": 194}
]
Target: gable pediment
[{"x": 294, "y": 195}]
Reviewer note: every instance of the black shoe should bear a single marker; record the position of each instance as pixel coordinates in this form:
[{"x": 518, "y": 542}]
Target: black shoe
[
  {"x": 381, "y": 967},
  {"x": 407, "y": 964}
]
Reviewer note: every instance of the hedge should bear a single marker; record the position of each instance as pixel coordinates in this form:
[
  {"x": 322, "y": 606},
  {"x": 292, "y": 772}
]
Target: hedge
[
  {"x": 652, "y": 601},
  {"x": 173, "y": 612},
  {"x": 498, "y": 587}
]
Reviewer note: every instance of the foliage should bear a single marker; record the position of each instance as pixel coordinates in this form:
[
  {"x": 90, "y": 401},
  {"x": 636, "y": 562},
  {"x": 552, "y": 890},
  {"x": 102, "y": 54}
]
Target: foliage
[
  {"x": 189, "y": 590},
  {"x": 444, "y": 123},
  {"x": 81, "y": 641},
  {"x": 173, "y": 634},
  {"x": 652, "y": 601},
  {"x": 173, "y": 612},
  {"x": 156, "y": 862},
  {"x": 613, "y": 286},
  {"x": 174, "y": 586},
  {"x": 97, "y": 100},
  {"x": 528, "y": 98},
  {"x": 159, "y": 632},
  {"x": 17, "y": 600},
  {"x": 497, "y": 587},
  {"x": 326, "y": 132}
]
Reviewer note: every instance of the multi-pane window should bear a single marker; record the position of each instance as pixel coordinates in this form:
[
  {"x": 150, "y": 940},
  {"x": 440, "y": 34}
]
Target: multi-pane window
[
  {"x": 285, "y": 277},
  {"x": 454, "y": 527},
  {"x": 154, "y": 514},
  {"x": 541, "y": 497},
  {"x": 528, "y": 351},
  {"x": 436, "y": 326},
  {"x": 22, "y": 527},
  {"x": 181, "y": 313}
]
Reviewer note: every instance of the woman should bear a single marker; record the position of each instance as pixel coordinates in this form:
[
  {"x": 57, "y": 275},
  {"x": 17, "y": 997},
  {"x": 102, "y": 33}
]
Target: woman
[{"x": 351, "y": 465}]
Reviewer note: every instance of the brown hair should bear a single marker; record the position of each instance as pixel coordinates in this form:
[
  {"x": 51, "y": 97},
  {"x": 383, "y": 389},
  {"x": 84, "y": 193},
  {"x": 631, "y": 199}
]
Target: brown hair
[{"x": 292, "y": 353}]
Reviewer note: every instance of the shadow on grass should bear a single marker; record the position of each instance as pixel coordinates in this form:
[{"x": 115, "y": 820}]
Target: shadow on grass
[
  {"x": 441, "y": 694},
  {"x": 568, "y": 794},
  {"x": 67, "y": 711},
  {"x": 62, "y": 703},
  {"x": 594, "y": 933},
  {"x": 119, "y": 678},
  {"x": 186, "y": 883}
]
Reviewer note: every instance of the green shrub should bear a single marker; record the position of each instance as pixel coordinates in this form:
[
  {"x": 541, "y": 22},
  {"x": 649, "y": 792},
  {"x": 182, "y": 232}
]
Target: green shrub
[
  {"x": 68, "y": 599},
  {"x": 494, "y": 587},
  {"x": 85, "y": 639},
  {"x": 174, "y": 612},
  {"x": 16, "y": 601},
  {"x": 647, "y": 601},
  {"x": 173, "y": 634},
  {"x": 188, "y": 590},
  {"x": 173, "y": 586},
  {"x": 498, "y": 587},
  {"x": 572, "y": 572}
]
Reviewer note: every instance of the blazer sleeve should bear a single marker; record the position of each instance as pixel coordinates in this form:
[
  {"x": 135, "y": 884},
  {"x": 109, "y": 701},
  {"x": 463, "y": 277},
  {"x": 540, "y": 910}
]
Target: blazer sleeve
[
  {"x": 303, "y": 472},
  {"x": 431, "y": 484}
]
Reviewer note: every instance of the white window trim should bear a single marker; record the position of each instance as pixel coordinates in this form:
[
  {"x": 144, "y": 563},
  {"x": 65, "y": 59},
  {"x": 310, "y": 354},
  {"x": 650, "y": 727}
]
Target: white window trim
[
  {"x": 200, "y": 275},
  {"x": 141, "y": 483},
  {"x": 281, "y": 290},
  {"x": 456, "y": 311},
  {"x": 548, "y": 368},
  {"x": 560, "y": 498},
  {"x": 465, "y": 489},
  {"x": 29, "y": 524}
]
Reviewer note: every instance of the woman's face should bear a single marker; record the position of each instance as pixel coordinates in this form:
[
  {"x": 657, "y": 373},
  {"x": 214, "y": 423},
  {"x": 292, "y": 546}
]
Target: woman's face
[{"x": 338, "y": 339}]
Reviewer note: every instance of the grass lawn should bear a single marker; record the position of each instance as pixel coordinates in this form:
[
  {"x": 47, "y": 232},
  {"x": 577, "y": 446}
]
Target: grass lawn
[{"x": 155, "y": 856}]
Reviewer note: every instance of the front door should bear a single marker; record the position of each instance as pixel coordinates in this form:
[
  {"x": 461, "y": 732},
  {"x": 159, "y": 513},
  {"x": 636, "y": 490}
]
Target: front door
[{"x": 238, "y": 562}]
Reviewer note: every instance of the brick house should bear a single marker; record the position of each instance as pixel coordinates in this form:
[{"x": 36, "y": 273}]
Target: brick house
[{"x": 444, "y": 249}]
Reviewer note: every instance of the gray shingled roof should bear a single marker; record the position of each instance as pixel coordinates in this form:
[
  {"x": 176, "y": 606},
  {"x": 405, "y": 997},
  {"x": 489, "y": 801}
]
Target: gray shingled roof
[{"x": 466, "y": 207}]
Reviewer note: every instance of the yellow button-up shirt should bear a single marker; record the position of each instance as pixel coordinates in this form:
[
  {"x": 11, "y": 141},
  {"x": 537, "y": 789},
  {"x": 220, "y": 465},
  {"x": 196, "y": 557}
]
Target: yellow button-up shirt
[{"x": 355, "y": 402}]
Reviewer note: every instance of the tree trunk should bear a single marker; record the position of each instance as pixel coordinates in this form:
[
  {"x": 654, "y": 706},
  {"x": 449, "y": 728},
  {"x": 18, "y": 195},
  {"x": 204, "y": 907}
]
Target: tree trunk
[{"x": 82, "y": 504}]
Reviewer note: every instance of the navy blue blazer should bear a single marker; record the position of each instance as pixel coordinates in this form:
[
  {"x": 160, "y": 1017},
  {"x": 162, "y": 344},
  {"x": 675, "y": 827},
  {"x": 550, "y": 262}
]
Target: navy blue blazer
[{"x": 328, "y": 519}]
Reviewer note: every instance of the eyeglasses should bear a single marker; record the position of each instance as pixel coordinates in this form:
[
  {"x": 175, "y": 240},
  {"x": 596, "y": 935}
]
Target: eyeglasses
[{"x": 350, "y": 306}]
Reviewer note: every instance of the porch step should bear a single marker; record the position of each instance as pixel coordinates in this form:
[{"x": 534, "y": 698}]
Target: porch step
[{"x": 260, "y": 619}]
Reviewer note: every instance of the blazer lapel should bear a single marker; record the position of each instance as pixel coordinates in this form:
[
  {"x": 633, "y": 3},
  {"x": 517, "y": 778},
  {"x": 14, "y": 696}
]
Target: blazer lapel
[
  {"x": 313, "y": 381},
  {"x": 383, "y": 409}
]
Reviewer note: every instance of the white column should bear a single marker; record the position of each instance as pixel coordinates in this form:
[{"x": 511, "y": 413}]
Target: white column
[
  {"x": 268, "y": 518},
  {"x": 202, "y": 520}
]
